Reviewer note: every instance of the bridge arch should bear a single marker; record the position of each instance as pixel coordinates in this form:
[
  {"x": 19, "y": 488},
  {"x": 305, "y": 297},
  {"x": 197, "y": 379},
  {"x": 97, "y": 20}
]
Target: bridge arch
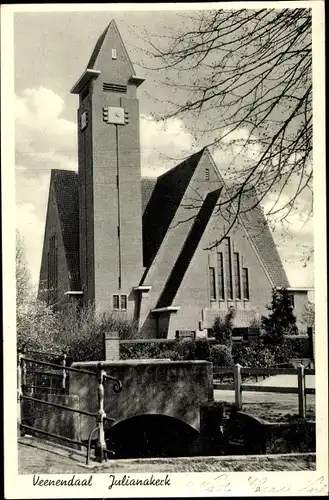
[{"x": 152, "y": 435}]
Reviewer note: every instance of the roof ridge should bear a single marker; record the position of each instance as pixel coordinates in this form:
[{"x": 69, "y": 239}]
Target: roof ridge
[{"x": 200, "y": 152}]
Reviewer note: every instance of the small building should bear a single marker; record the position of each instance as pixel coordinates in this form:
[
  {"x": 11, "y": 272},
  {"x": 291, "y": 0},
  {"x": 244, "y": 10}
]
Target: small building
[{"x": 159, "y": 250}]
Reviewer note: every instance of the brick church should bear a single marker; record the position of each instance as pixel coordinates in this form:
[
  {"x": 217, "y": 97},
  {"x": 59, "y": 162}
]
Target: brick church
[{"x": 145, "y": 247}]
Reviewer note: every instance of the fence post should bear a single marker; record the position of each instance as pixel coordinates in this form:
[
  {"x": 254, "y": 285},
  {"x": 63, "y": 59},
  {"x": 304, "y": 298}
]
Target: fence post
[
  {"x": 237, "y": 386},
  {"x": 100, "y": 450},
  {"x": 64, "y": 372},
  {"x": 301, "y": 391}
]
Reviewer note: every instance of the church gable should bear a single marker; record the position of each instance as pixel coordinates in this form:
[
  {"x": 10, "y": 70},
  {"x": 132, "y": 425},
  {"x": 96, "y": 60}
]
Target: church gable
[
  {"x": 54, "y": 274},
  {"x": 163, "y": 204}
]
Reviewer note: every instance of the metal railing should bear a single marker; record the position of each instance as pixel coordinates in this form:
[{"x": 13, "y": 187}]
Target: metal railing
[{"x": 101, "y": 452}]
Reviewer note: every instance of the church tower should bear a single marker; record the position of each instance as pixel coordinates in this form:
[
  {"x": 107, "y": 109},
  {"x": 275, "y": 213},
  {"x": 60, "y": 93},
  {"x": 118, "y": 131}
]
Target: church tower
[{"x": 110, "y": 218}]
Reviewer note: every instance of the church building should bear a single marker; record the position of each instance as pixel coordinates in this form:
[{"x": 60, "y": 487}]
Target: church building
[{"x": 147, "y": 248}]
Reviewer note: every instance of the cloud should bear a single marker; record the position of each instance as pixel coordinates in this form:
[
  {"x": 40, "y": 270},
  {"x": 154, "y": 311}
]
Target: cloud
[{"x": 163, "y": 144}]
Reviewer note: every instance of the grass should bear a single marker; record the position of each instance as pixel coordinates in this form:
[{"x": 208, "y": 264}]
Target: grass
[{"x": 277, "y": 411}]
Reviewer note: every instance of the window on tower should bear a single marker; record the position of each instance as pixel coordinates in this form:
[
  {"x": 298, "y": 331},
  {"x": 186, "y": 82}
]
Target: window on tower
[
  {"x": 116, "y": 303},
  {"x": 119, "y": 302},
  {"x": 124, "y": 302}
]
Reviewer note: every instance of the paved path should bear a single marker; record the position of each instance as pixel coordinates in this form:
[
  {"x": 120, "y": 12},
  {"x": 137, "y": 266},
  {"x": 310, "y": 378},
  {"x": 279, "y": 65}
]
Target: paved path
[{"x": 35, "y": 457}]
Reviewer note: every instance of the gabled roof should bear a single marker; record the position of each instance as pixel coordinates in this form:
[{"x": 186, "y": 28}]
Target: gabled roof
[
  {"x": 188, "y": 250},
  {"x": 161, "y": 208},
  {"x": 160, "y": 199},
  {"x": 65, "y": 184}
]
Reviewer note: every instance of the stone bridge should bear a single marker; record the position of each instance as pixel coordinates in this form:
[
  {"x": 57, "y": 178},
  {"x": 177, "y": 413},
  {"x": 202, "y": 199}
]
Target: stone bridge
[{"x": 160, "y": 405}]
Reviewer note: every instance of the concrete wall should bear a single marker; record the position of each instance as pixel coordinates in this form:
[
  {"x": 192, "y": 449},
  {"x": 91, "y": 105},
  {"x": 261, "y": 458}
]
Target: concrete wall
[
  {"x": 55, "y": 420},
  {"x": 175, "y": 389}
]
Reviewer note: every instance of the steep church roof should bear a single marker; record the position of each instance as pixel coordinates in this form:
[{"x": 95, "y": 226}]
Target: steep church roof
[
  {"x": 161, "y": 208},
  {"x": 160, "y": 199},
  {"x": 111, "y": 29},
  {"x": 65, "y": 183},
  {"x": 254, "y": 221}
]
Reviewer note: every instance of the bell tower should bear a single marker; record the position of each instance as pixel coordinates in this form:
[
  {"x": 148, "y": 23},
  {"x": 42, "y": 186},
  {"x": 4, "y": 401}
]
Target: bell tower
[{"x": 110, "y": 218}]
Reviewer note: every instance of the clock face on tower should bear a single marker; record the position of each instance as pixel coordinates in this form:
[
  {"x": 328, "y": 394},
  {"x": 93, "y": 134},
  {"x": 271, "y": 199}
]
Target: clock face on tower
[{"x": 83, "y": 120}]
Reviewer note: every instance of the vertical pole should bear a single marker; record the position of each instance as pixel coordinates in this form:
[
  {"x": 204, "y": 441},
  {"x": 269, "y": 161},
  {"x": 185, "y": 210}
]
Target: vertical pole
[
  {"x": 64, "y": 372},
  {"x": 237, "y": 386},
  {"x": 301, "y": 391},
  {"x": 19, "y": 391},
  {"x": 101, "y": 445}
]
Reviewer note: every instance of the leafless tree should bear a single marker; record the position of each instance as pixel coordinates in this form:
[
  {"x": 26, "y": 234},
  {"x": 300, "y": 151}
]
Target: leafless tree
[
  {"x": 23, "y": 278},
  {"x": 246, "y": 72}
]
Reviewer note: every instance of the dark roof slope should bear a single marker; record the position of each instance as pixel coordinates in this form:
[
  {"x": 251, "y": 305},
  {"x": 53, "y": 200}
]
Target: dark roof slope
[
  {"x": 147, "y": 186},
  {"x": 66, "y": 189},
  {"x": 188, "y": 250},
  {"x": 258, "y": 229},
  {"x": 161, "y": 208}
]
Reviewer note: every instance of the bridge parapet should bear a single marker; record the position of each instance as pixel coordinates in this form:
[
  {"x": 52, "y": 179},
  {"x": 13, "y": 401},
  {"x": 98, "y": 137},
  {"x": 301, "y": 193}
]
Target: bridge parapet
[{"x": 173, "y": 388}]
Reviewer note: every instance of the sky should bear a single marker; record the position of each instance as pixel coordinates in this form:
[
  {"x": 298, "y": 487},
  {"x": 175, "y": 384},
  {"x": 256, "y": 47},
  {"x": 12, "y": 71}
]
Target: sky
[{"x": 51, "y": 52}]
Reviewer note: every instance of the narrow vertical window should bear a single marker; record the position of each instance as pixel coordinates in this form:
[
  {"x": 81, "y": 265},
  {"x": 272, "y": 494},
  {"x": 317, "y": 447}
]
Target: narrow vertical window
[
  {"x": 245, "y": 278},
  {"x": 237, "y": 284},
  {"x": 207, "y": 174},
  {"x": 124, "y": 302},
  {"x": 228, "y": 268},
  {"x": 212, "y": 283},
  {"x": 116, "y": 304},
  {"x": 220, "y": 274}
]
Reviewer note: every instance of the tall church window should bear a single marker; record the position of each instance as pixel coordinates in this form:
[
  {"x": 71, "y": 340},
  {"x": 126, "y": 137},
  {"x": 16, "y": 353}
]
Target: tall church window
[
  {"x": 212, "y": 282},
  {"x": 220, "y": 274},
  {"x": 237, "y": 284},
  {"x": 228, "y": 267},
  {"x": 245, "y": 279}
]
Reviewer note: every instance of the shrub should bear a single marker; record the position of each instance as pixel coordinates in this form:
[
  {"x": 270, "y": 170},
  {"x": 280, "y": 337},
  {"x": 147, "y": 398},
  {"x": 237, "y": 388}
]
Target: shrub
[
  {"x": 193, "y": 349},
  {"x": 281, "y": 320},
  {"x": 223, "y": 328},
  {"x": 143, "y": 351},
  {"x": 298, "y": 347},
  {"x": 36, "y": 327},
  {"x": 78, "y": 332},
  {"x": 253, "y": 354},
  {"x": 220, "y": 355}
]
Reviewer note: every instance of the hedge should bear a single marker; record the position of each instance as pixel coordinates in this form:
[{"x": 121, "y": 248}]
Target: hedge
[{"x": 248, "y": 353}]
